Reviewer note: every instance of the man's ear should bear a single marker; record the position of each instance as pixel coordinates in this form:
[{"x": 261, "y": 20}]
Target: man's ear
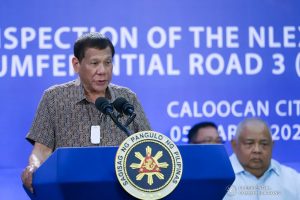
[
  {"x": 76, "y": 64},
  {"x": 233, "y": 145}
]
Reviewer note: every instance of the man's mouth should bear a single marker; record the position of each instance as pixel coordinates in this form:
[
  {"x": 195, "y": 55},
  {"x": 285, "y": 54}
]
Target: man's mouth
[
  {"x": 256, "y": 160},
  {"x": 100, "y": 81}
]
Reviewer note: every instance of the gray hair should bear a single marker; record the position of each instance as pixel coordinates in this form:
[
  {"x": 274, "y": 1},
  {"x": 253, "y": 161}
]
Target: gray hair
[{"x": 248, "y": 121}]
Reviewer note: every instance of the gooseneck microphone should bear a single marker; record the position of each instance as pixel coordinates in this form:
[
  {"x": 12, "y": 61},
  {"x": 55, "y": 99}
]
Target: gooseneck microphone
[
  {"x": 124, "y": 107},
  {"x": 105, "y": 107}
]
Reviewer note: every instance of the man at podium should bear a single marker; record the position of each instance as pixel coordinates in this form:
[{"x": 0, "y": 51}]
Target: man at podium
[{"x": 67, "y": 115}]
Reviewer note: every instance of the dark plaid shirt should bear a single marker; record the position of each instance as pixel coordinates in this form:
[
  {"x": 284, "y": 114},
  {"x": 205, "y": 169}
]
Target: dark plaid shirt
[{"x": 64, "y": 117}]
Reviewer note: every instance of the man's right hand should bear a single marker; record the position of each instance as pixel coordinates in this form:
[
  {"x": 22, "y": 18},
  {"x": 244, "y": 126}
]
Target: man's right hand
[
  {"x": 39, "y": 154},
  {"x": 27, "y": 177}
]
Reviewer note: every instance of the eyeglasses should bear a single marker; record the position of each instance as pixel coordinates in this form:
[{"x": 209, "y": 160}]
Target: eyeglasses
[{"x": 217, "y": 140}]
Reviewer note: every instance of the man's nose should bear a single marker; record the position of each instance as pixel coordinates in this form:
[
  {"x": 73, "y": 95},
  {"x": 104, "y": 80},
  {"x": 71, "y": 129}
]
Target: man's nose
[
  {"x": 100, "y": 68},
  {"x": 257, "y": 148}
]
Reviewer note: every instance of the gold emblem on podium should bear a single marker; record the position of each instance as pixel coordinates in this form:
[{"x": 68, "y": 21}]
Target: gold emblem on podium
[{"x": 148, "y": 165}]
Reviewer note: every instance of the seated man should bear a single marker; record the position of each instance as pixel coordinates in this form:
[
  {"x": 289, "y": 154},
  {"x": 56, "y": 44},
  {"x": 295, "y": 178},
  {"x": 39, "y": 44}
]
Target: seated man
[
  {"x": 258, "y": 176},
  {"x": 204, "y": 133}
]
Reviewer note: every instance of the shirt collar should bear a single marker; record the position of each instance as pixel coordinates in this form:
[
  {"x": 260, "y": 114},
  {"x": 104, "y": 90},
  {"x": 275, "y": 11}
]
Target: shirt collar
[
  {"x": 238, "y": 168},
  {"x": 80, "y": 96},
  {"x": 78, "y": 91},
  {"x": 275, "y": 167}
]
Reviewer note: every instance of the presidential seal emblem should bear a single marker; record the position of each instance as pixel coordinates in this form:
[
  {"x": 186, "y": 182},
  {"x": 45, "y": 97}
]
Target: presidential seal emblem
[{"x": 148, "y": 165}]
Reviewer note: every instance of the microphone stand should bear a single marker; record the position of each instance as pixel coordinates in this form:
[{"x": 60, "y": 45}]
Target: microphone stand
[
  {"x": 121, "y": 126},
  {"x": 130, "y": 119}
]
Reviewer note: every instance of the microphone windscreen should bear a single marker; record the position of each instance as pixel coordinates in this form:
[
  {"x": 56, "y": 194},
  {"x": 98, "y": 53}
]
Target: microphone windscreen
[
  {"x": 123, "y": 106},
  {"x": 119, "y": 103},
  {"x": 103, "y": 105}
]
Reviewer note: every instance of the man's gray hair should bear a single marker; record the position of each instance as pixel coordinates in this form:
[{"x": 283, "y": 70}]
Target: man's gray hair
[{"x": 247, "y": 121}]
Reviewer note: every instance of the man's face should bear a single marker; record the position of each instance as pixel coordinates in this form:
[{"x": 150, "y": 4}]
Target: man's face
[
  {"x": 95, "y": 70},
  {"x": 254, "y": 148},
  {"x": 206, "y": 135}
]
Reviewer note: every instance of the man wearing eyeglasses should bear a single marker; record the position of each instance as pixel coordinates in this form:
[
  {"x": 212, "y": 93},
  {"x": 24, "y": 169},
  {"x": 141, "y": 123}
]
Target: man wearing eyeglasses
[{"x": 204, "y": 133}]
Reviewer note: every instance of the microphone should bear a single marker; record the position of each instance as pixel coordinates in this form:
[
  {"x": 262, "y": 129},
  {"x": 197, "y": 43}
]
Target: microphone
[
  {"x": 105, "y": 107},
  {"x": 123, "y": 106}
]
